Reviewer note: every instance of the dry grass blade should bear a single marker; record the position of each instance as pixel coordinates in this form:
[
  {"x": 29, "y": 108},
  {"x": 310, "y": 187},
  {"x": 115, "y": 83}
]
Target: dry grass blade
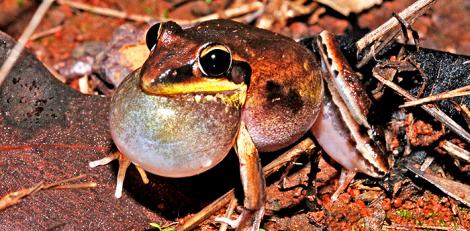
[
  {"x": 455, "y": 150},
  {"x": 463, "y": 91},
  {"x": 228, "y": 13},
  {"x": 304, "y": 146},
  {"x": 465, "y": 113},
  {"x": 15, "y": 197},
  {"x": 390, "y": 27},
  {"x": 16, "y": 51},
  {"x": 45, "y": 33},
  {"x": 433, "y": 111},
  {"x": 106, "y": 11}
]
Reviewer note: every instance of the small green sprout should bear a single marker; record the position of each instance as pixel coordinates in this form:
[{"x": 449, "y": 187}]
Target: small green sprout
[
  {"x": 159, "y": 227},
  {"x": 148, "y": 10},
  {"x": 166, "y": 13},
  {"x": 20, "y": 3},
  {"x": 404, "y": 213}
]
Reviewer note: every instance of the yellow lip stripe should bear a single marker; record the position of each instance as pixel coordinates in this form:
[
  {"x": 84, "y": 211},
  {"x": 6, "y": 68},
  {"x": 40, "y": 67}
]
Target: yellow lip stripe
[{"x": 200, "y": 86}]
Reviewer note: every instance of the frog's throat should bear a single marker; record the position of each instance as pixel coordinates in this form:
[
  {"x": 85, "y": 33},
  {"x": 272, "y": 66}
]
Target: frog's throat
[{"x": 228, "y": 92}]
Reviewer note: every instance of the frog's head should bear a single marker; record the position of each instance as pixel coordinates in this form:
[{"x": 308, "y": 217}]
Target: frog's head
[
  {"x": 185, "y": 62},
  {"x": 180, "y": 114}
]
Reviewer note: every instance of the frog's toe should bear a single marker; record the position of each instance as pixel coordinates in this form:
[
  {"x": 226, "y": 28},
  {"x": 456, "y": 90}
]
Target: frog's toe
[
  {"x": 232, "y": 223},
  {"x": 124, "y": 163},
  {"x": 249, "y": 220},
  {"x": 142, "y": 173},
  {"x": 105, "y": 160}
]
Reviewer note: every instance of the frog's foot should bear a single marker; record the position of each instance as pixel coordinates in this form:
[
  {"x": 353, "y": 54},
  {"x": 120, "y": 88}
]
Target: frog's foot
[
  {"x": 123, "y": 165},
  {"x": 248, "y": 220},
  {"x": 345, "y": 178}
]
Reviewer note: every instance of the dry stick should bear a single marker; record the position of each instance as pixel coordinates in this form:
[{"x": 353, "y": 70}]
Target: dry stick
[
  {"x": 207, "y": 211},
  {"x": 229, "y": 13},
  {"x": 45, "y": 33},
  {"x": 463, "y": 91},
  {"x": 16, "y": 51},
  {"x": 306, "y": 145},
  {"x": 409, "y": 14},
  {"x": 16, "y": 197},
  {"x": 455, "y": 150},
  {"x": 391, "y": 26},
  {"x": 409, "y": 227},
  {"x": 435, "y": 112}
]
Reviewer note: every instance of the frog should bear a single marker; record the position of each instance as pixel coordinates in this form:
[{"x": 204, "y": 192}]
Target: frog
[{"x": 222, "y": 84}]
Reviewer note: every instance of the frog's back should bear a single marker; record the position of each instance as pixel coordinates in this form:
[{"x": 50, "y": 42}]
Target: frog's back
[{"x": 285, "y": 88}]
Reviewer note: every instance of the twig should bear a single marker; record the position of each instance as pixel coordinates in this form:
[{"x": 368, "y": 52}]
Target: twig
[
  {"x": 465, "y": 113},
  {"x": 56, "y": 74},
  {"x": 228, "y": 213},
  {"x": 45, "y": 33},
  {"x": 409, "y": 14},
  {"x": 426, "y": 163},
  {"x": 228, "y": 13},
  {"x": 409, "y": 227},
  {"x": 463, "y": 91},
  {"x": 392, "y": 26},
  {"x": 306, "y": 145},
  {"x": 457, "y": 190},
  {"x": 83, "y": 85},
  {"x": 16, "y": 51},
  {"x": 433, "y": 111},
  {"x": 16, "y": 197},
  {"x": 207, "y": 211},
  {"x": 58, "y": 183}
]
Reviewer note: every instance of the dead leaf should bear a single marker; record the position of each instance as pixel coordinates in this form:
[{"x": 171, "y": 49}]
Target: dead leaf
[
  {"x": 49, "y": 132},
  {"x": 345, "y": 7}
]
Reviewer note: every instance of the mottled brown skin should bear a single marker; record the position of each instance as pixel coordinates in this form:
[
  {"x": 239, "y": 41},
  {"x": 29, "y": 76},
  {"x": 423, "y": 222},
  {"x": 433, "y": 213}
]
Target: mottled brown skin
[{"x": 285, "y": 88}]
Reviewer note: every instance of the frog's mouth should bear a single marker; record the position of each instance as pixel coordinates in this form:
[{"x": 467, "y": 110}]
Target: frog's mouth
[
  {"x": 202, "y": 89},
  {"x": 201, "y": 86}
]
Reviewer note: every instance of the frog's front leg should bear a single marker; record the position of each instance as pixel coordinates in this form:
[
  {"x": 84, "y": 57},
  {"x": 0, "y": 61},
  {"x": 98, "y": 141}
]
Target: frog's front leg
[{"x": 254, "y": 186}]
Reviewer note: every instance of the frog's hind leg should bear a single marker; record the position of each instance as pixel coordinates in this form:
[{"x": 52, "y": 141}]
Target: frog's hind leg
[
  {"x": 124, "y": 163},
  {"x": 254, "y": 186}
]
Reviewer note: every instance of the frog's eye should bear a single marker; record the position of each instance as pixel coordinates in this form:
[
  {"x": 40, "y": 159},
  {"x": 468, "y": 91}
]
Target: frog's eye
[
  {"x": 215, "y": 60},
  {"x": 153, "y": 34}
]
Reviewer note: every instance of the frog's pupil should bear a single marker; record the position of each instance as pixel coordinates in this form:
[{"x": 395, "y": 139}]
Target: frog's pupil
[{"x": 215, "y": 63}]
